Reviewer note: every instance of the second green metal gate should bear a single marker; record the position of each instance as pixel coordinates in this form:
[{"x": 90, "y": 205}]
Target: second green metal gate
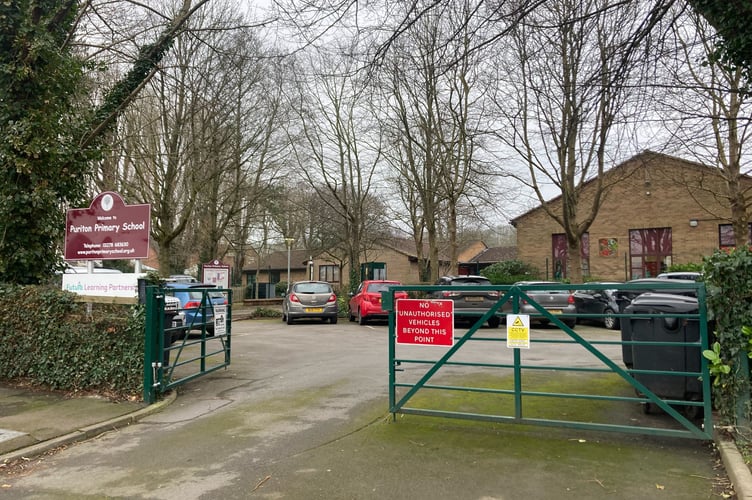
[{"x": 178, "y": 350}]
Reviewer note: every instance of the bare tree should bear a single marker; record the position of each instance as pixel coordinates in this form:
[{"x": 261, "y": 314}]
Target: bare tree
[
  {"x": 199, "y": 140},
  {"x": 564, "y": 89},
  {"x": 338, "y": 149},
  {"x": 712, "y": 113},
  {"x": 235, "y": 127},
  {"x": 437, "y": 126}
]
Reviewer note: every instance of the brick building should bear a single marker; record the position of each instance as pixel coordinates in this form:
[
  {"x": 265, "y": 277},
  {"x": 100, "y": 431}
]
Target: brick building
[
  {"x": 389, "y": 258},
  {"x": 657, "y": 210}
]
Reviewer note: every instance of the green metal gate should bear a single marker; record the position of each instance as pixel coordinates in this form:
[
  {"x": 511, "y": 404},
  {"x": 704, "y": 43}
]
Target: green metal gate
[
  {"x": 183, "y": 350},
  {"x": 480, "y": 378}
]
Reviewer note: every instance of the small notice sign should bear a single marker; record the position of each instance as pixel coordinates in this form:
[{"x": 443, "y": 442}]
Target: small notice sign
[
  {"x": 425, "y": 322},
  {"x": 220, "y": 320},
  {"x": 518, "y": 331}
]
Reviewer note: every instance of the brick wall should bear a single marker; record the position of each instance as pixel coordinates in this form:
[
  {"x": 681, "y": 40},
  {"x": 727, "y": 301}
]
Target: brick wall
[
  {"x": 398, "y": 265},
  {"x": 648, "y": 191}
]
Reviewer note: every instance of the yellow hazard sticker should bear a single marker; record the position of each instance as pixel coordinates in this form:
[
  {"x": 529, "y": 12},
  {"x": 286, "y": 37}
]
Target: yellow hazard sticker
[{"x": 518, "y": 331}]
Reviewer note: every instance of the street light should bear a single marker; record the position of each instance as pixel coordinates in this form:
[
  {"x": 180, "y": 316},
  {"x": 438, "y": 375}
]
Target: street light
[{"x": 288, "y": 242}]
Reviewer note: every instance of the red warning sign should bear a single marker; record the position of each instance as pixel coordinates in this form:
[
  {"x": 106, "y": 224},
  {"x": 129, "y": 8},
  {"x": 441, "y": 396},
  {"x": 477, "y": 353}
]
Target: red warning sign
[{"x": 425, "y": 322}]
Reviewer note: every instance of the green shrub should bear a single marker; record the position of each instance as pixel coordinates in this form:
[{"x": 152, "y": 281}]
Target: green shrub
[
  {"x": 264, "y": 312},
  {"x": 51, "y": 340},
  {"x": 728, "y": 278},
  {"x": 510, "y": 271},
  {"x": 343, "y": 304}
]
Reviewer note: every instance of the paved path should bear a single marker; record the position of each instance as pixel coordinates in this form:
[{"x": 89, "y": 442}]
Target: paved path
[{"x": 302, "y": 414}]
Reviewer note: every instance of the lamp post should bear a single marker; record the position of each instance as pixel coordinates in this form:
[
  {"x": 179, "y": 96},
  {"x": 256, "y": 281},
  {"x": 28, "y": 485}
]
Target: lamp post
[{"x": 288, "y": 242}]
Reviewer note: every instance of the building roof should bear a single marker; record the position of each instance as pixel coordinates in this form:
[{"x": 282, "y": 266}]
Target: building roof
[
  {"x": 495, "y": 254},
  {"x": 406, "y": 246},
  {"x": 647, "y": 158},
  {"x": 278, "y": 260},
  {"x": 299, "y": 258}
]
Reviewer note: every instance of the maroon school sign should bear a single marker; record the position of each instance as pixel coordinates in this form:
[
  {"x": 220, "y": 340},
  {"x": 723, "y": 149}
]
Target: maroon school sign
[{"x": 108, "y": 229}]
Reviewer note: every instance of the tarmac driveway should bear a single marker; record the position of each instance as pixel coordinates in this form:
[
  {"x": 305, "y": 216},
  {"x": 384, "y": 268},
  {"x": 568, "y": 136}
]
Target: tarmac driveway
[{"x": 301, "y": 413}]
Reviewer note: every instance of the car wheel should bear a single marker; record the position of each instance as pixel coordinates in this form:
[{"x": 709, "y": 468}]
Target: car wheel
[
  {"x": 333, "y": 320},
  {"x": 361, "y": 318},
  {"x": 609, "y": 321},
  {"x": 289, "y": 320},
  {"x": 494, "y": 322},
  {"x": 571, "y": 323},
  {"x": 350, "y": 315}
]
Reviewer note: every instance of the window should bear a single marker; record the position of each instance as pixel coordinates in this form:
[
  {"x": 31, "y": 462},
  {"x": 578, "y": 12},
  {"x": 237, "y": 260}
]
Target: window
[
  {"x": 726, "y": 236},
  {"x": 560, "y": 253},
  {"x": 329, "y": 272},
  {"x": 650, "y": 251}
]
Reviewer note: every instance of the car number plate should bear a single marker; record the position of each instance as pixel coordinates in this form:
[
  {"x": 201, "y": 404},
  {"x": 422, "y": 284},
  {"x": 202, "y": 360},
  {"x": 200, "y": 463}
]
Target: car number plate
[
  {"x": 473, "y": 299},
  {"x": 314, "y": 309},
  {"x": 555, "y": 311}
]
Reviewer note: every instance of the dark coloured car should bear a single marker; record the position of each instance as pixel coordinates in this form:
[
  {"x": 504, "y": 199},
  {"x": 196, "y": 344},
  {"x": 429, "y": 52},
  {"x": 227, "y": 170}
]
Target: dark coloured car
[
  {"x": 598, "y": 302},
  {"x": 624, "y": 297},
  {"x": 554, "y": 301},
  {"x": 365, "y": 303},
  {"x": 310, "y": 299},
  {"x": 469, "y": 304}
]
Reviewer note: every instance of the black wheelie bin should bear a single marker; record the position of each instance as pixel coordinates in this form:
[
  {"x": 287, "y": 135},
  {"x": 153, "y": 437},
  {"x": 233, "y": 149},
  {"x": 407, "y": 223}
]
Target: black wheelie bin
[{"x": 665, "y": 357}]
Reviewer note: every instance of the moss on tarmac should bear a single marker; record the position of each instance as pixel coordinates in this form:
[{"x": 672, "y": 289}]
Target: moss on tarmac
[{"x": 418, "y": 457}]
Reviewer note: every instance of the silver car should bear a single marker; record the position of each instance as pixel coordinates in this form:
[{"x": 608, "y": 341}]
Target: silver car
[
  {"x": 310, "y": 299},
  {"x": 553, "y": 301}
]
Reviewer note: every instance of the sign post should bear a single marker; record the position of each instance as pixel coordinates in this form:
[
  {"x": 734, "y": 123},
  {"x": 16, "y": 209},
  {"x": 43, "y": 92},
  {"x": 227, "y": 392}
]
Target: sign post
[{"x": 425, "y": 322}]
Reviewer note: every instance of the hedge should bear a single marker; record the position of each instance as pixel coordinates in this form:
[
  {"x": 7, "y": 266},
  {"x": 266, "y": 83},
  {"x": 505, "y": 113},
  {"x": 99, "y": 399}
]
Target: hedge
[{"x": 52, "y": 341}]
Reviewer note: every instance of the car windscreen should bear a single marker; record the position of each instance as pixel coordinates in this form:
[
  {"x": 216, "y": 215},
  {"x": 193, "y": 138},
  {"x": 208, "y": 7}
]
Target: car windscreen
[
  {"x": 379, "y": 287},
  {"x": 312, "y": 288},
  {"x": 471, "y": 282}
]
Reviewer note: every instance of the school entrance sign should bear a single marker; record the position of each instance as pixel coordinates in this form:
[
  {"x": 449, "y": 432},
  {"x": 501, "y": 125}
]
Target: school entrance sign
[{"x": 108, "y": 229}]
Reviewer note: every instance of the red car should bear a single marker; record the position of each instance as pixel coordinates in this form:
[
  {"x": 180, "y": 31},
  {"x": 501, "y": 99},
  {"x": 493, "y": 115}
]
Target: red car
[{"x": 365, "y": 303}]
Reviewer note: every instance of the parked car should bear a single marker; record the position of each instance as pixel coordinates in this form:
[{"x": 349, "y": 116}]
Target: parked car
[
  {"x": 365, "y": 303},
  {"x": 181, "y": 278},
  {"x": 197, "y": 302},
  {"x": 174, "y": 320},
  {"x": 469, "y": 304},
  {"x": 625, "y": 297},
  {"x": 681, "y": 275},
  {"x": 598, "y": 302},
  {"x": 310, "y": 299},
  {"x": 85, "y": 270},
  {"x": 554, "y": 301}
]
